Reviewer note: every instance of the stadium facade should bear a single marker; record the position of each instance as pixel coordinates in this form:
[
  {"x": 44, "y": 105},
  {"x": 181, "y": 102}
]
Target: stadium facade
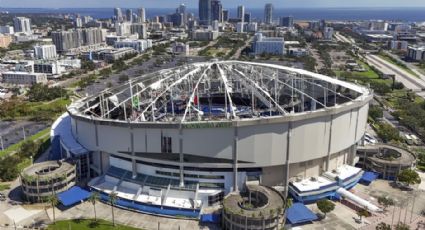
[{"x": 180, "y": 139}]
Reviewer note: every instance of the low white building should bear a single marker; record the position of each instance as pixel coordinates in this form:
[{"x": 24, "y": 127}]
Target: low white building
[
  {"x": 328, "y": 33},
  {"x": 298, "y": 52},
  {"x": 268, "y": 45},
  {"x": 138, "y": 45},
  {"x": 398, "y": 45},
  {"x": 204, "y": 35},
  {"x": 45, "y": 52},
  {"x": 24, "y": 78},
  {"x": 49, "y": 68}
]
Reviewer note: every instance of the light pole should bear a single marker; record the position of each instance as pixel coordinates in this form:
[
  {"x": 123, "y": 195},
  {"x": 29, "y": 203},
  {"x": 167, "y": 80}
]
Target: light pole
[{"x": 1, "y": 143}]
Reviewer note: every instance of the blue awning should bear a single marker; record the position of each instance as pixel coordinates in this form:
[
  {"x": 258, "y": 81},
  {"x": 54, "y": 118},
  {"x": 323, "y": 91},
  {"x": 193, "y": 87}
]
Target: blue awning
[
  {"x": 368, "y": 177},
  {"x": 210, "y": 218},
  {"x": 73, "y": 195},
  {"x": 298, "y": 213}
]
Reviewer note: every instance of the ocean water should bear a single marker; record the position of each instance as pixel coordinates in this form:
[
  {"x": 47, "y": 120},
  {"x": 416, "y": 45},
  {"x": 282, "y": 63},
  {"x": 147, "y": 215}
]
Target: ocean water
[{"x": 399, "y": 14}]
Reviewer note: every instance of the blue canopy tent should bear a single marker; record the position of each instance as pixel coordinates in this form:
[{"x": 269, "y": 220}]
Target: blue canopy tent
[
  {"x": 210, "y": 218},
  {"x": 298, "y": 213},
  {"x": 368, "y": 177},
  {"x": 73, "y": 195}
]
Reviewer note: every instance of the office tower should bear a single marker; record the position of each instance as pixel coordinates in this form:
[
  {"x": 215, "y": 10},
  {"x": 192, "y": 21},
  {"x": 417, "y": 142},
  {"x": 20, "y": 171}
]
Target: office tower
[
  {"x": 140, "y": 29},
  {"x": 123, "y": 29},
  {"x": 205, "y": 12},
  {"x": 247, "y": 17},
  {"x": 287, "y": 21},
  {"x": 268, "y": 14},
  {"x": 176, "y": 19},
  {"x": 241, "y": 12},
  {"x": 118, "y": 14},
  {"x": 182, "y": 10},
  {"x": 129, "y": 15},
  {"x": 22, "y": 24},
  {"x": 225, "y": 14},
  {"x": 70, "y": 39},
  {"x": 142, "y": 15},
  {"x": 322, "y": 24},
  {"x": 216, "y": 9},
  {"x": 45, "y": 52}
]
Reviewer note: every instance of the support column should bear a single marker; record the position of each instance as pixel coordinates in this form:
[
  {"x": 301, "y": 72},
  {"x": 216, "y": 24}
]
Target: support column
[
  {"x": 133, "y": 160},
  {"x": 235, "y": 160},
  {"x": 181, "y": 157},
  {"x": 329, "y": 144},
  {"x": 287, "y": 162}
]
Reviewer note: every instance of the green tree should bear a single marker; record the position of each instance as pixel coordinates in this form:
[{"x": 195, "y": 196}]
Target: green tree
[
  {"x": 9, "y": 168},
  {"x": 325, "y": 206},
  {"x": 94, "y": 198},
  {"x": 383, "y": 226},
  {"x": 53, "y": 200},
  {"x": 363, "y": 213},
  {"x": 375, "y": 112},
  {"x": 402, "y": 226},
  {"x": 387, "y": 133},
  {"x": 113, "y": 196},
  {"x": 88, "y": 65},
  {"x": 409, "y": 176},
  {"x": 385, "y": 201}
]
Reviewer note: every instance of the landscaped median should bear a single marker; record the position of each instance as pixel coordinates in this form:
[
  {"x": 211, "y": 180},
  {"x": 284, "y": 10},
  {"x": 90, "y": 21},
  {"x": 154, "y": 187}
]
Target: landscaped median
[
  {"x": 41, "y": 136},
  {"x": 84, "y": 224}
]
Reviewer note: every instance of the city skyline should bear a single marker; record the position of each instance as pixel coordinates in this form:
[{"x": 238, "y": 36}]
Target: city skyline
[{"x": 194, "y": 3}]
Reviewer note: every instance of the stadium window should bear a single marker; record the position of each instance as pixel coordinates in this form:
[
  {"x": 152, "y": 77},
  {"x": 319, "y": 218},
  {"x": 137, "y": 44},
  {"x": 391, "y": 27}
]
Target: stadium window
[{"x": 166, "y": 145}]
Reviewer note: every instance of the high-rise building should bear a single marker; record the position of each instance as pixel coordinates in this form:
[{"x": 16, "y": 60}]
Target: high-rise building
[
  {"x": 78, "y": 22},
  {"x": 176, "y": 18},
  {"x": 142, "y": 15},
  {"x": 268, "y": 13},
  {"x": 241, "y": 12},
  {"x": 70, "y": 39},
  {"x": 140, "y": 29},
  {"x": 118, "y": 14},
  {"x": 247, "y": 17},
  {"x": 45, "y": 52},
  {"x": 328, "y": 33},
  {"x": 129, "y": 15},
  {"x": 205, "y": 12},
  {"x": 123, "y": 29},
  {"x": 287, "y": 21},
  {"x": 225, "y": 14},
  {"x": 22, "y": 24},
  {"x": 216, "y": 10}
]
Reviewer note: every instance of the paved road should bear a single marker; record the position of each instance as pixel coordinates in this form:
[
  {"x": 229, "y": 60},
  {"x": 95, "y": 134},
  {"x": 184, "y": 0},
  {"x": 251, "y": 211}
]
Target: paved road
[
  {"x": 239, "y": 51},
  {"x": 409, "y": 81}
]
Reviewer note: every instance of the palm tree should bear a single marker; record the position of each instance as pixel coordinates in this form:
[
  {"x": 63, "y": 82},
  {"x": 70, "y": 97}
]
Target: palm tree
[
  {"x": 94, "y": 197},
  {"x": 113, "y": 196},
  {"x": 53, "y": 200}
]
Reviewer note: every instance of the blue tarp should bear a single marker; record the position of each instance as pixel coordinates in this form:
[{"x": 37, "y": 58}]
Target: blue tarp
[
  {"x": 210, "y": 218},
  {"x": 299, "y": 213},
  {"x": 73, "y": 196},
  {"x": 368, "y": 177}
]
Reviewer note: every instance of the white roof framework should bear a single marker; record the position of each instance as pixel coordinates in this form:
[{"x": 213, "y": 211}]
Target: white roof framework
[{"x": 221, "y": 90}]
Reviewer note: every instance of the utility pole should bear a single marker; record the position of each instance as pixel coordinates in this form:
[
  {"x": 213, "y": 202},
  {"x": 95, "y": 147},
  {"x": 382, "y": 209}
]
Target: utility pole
[
  {"x": 23, "y": 131},
  {"x": 1, "y": 143}
]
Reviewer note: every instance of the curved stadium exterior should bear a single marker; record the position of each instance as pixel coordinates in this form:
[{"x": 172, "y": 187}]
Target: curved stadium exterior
[{"x": 174, "y": 141}]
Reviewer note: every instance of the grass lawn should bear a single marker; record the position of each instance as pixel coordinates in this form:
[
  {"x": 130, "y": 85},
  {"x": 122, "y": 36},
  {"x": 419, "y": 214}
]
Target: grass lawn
[
  {"x": 4, "y": 186},
  {"x": 365, "y": 77},
  {"x": 87, "y": 225},
  {"x": 43, "y": 135}
]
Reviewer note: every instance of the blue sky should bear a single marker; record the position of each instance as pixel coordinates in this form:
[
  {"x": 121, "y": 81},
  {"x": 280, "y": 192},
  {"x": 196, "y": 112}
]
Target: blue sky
[{"x": 226, "y": 3}]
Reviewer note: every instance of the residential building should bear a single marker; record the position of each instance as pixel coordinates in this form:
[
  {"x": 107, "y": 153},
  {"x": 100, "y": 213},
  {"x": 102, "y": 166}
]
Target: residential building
[
  {"x": 268, "y": 14},
  {"x": 45, "y": 52},
  {"x": 70, "y": 39},
  {"x": 215, "y": 25},
  {"x": 251, "y": 27},
  {"x": 24, "y": 78},
  {"x": 22, "y": 25},
  {"x": 142, "y": 15},
  {"x": 78, "y": 22},
  {"x": 129, "y": 15},
  {"x": 204, "y": 12},
  {"x": 328, "y": 33},
  {"x": 140, "y": 29},
  {"x": 123, "y": 29},
  {"x": 240, "y": 27},
  {"x": 287, "y": 21},
  {"x": 138, "y": 45},
  {"x": 5, "y": 40},
  {"x": 269, "y": 45},
  {"x": 416, "y": 53},
  {"x": 7, "y": 30},
  {"x": 118, "y": 15}
]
